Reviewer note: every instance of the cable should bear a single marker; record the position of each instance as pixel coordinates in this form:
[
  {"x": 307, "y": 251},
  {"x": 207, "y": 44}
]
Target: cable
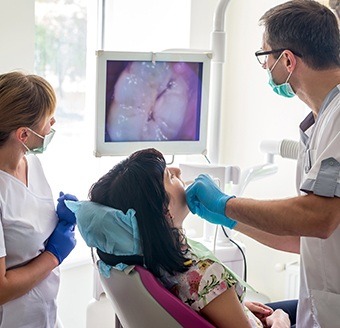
[
  {"x": 243, "y": 255},
  {"x": 215, "y": 240},
  {"x": 207, "y": 159}
]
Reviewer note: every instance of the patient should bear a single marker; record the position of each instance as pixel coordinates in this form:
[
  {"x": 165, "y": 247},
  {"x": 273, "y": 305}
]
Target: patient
[{"x": 156, "y": 194}]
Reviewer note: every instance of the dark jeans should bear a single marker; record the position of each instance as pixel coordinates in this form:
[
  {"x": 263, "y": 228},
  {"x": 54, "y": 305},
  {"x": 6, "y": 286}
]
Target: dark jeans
[{"x": 289, "y": 306}]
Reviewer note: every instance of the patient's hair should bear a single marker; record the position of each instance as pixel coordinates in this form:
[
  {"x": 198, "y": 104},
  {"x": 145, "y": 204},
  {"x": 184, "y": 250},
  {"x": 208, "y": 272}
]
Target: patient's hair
[{"x": 137, "y": 182}]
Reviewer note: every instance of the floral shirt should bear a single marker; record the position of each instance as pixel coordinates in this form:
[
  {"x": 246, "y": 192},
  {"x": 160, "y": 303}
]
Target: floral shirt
[{"x": 204, "y": 281}]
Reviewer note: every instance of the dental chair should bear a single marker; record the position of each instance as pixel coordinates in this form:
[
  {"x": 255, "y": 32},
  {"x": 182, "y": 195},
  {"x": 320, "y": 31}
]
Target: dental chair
[{"x": 141, "y": 301}]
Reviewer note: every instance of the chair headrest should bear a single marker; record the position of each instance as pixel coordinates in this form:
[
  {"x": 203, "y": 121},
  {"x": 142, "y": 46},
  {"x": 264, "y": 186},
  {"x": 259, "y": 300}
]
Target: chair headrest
[
  {"x": 113, "y": 260},
  {"x": 109, "y": 230}
]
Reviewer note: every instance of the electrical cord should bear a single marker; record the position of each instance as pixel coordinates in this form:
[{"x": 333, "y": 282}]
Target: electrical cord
[{"x": 243, "y": 255}]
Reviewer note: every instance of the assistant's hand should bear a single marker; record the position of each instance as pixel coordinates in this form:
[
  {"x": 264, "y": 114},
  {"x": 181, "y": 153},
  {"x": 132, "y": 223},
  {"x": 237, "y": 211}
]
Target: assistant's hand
[
  {"x": 63, "y": 212},
  {"x": 62, "y": 241},
  {"x": 205, "y": 199}
]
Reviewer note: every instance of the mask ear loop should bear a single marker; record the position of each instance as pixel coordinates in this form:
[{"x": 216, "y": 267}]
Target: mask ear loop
[
  {"x": 23, "y": 135},
  {"x": 277, "y": 60},
  {"x": 290, "y": 74},
  {"x": 37, "y": 134}
]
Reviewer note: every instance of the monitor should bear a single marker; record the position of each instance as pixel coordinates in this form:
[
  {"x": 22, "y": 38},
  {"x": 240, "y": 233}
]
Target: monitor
[{"x": 157, "y": 100}]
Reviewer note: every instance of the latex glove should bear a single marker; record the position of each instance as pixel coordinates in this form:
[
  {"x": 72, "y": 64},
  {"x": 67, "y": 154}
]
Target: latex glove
[
  {"x": 63, "y": 212},
  {"x": 62, "y": 241},
  {"x": 205, "y": 199}
]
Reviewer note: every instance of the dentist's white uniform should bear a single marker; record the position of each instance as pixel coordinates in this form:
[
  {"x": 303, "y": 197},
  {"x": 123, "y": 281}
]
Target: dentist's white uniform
[
  {"x": 319, "y": 173},
  {"x": 27, "y": 219}
]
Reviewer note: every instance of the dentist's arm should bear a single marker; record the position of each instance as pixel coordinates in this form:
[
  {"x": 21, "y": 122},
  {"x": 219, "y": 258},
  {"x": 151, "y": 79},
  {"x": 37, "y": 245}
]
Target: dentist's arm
[
  {"x": 308, "y": 215},
  {"x": 289, "y": 244}
]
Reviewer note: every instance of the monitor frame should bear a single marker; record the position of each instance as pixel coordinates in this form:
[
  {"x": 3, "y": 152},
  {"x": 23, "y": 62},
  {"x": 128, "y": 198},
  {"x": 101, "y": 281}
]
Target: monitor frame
[{"x": 124, "y": 148}]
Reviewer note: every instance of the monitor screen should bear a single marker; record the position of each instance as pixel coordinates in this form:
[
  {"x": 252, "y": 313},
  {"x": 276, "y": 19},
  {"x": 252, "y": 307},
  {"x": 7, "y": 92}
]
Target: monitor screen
[{"x": 155, "y": 100}]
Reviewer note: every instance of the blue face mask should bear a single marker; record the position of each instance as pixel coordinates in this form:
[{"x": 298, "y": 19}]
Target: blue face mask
[
  {"x": 283, "y": 89},
  {"x": 46, "y": 140}
]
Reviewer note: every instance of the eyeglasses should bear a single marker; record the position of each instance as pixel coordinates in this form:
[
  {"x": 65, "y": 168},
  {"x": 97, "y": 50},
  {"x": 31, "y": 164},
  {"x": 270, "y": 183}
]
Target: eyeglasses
[{"x": 263, "y": 60}]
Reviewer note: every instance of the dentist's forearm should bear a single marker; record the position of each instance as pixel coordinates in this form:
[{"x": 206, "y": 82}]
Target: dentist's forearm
[
  {"x": 308, "y": 215},
  {"x": 289, "y": 244}
]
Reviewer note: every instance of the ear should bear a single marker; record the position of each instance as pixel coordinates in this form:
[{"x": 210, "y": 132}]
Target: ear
[
  {"x": 22, "y": 134},
  {"x": 290, "y": 60},
  {"x": 168, "y": 214}
]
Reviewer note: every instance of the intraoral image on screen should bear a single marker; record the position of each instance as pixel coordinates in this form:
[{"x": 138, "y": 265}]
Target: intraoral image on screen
[{"x": 148, "y": 101}]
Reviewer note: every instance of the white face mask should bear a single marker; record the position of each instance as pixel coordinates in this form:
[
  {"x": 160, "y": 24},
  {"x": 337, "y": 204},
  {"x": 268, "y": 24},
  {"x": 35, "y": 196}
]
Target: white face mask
[{"x": 46, "y": 140}]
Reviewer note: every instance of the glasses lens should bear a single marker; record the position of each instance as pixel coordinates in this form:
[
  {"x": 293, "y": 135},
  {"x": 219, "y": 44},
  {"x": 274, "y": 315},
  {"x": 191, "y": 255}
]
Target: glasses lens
[{"x": 262, "y": 59}]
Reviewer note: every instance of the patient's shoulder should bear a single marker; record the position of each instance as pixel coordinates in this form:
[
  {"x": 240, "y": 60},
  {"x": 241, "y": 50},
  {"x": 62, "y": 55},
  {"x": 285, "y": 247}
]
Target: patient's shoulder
[{"x": 204, "y": 281}]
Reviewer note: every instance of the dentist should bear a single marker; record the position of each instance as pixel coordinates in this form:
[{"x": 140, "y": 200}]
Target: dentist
[
  {"x": 300, "y": 51},
  {"x": 33, "y": 240}
]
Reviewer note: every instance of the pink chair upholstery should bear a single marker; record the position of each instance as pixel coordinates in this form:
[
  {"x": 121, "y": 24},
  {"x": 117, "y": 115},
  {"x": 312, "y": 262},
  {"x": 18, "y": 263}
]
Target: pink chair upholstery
[{"x": 140, "y": 300}]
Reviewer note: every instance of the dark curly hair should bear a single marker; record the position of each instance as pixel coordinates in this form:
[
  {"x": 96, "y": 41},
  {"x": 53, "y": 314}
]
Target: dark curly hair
[{"x": 137, "y": 182}]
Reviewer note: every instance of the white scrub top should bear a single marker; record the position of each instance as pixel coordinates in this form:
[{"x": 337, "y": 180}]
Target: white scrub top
[
  {"x": 319, "y": 173},
  {"x": 27, "y": 219}
]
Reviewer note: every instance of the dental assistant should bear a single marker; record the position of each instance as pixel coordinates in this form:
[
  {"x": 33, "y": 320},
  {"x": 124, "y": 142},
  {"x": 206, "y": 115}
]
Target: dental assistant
[
  {"x": 300, "y": 51},
  {"x": 33, "y": 240}
]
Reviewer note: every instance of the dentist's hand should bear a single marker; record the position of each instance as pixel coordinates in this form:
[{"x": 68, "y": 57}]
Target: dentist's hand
[
  {"x": 63, "y": 212},
  {"x": 205, "y": 199},
  {"x": 62, "y": 241}
]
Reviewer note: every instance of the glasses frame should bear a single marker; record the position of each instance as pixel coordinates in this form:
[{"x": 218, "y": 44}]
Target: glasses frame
[{"x": 260, "y": 53}]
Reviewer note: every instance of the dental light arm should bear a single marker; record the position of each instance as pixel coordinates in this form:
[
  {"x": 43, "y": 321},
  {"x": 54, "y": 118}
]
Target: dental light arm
[
  {"x": 253, "y": 173},
  {"x": 285, "y": 148}
]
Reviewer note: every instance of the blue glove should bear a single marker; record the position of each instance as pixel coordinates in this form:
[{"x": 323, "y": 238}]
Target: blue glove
[
  {"x": 62, "y": 241},
  {"x": 63, "y": 212},
  {"x": 205, "y": 199}
]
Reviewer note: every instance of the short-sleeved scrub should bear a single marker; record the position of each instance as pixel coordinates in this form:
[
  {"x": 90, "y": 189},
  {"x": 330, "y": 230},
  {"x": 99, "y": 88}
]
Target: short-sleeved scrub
[
  {"x": 27, "y": 219},
  {"x": 318, "y": 172}
]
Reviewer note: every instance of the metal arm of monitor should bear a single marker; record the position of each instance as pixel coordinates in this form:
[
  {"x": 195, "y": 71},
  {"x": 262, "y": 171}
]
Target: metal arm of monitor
[{"x": 218, "y": 47}]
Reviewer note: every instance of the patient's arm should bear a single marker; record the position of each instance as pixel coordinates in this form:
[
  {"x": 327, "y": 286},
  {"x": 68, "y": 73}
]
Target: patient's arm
[
  {"x": 283, "y": 243},
  {"x": 226, "y": 311}
]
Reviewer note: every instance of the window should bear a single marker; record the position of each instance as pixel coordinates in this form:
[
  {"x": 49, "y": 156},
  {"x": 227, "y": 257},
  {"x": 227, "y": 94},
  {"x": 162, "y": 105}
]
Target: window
[
  {"x": 60, "y": 57},
  {"x": 66, "y": 40}
]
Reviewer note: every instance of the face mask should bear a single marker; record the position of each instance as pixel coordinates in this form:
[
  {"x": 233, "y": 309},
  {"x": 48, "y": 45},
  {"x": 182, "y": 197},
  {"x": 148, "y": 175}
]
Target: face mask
[
  {"x": 46, "y": 140},
  {"x": 283, "y": 89}
]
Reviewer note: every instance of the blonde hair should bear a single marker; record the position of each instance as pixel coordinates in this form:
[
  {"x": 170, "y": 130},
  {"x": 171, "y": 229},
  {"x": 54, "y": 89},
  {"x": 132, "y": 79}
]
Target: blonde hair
[{"x": 25, "y": 100}]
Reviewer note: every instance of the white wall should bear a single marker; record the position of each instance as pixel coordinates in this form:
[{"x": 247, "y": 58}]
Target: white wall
[
  {"x": 16, "y": 35},
  {"x": 17, "y": 53},
  {"x": 251, "y": 112}
]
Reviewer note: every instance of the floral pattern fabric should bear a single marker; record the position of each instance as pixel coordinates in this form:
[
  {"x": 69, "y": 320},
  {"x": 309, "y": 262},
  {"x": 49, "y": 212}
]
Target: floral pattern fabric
[{"x": 203, "y": 282}]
